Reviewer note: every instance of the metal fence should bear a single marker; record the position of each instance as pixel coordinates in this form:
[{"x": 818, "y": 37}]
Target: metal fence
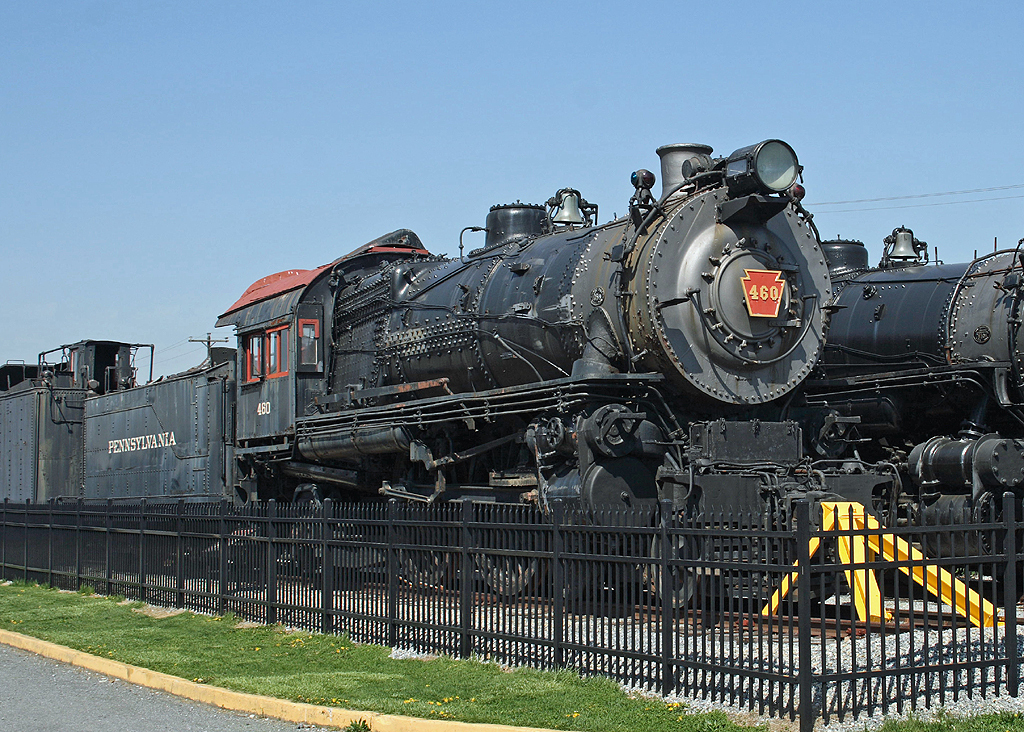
[{"x": 665, "y": 603}]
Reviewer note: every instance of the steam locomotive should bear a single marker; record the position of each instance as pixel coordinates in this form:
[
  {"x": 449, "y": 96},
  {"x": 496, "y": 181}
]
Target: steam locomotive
[
  {"x": 924, "y": 369},
  {"x": 657, "y": 356},
  {"x": 604, "y": 365}
]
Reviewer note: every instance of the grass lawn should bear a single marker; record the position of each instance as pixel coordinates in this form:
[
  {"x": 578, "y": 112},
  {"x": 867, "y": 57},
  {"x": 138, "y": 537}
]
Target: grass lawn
[{"x": 332, "y": 671}]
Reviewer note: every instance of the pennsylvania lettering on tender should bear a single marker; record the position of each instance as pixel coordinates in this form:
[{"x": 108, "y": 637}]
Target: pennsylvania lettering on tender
[{"x": 145, "y": 442}]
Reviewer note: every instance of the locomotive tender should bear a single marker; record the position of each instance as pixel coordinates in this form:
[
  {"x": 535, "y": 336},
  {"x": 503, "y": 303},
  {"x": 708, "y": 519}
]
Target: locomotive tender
[
  {"x": 656, "y": 356},
  {"x": 79, "y": 426}
]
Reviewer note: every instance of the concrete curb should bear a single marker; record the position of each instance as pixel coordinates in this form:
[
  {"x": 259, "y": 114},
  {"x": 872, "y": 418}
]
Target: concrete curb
[{"x": 248, "y": 703}]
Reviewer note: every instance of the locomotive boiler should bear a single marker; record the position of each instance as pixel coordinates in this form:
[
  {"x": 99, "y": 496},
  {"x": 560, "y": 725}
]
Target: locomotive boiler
[
  {"x": 612, "y": 364},
  {"x": 924, "y": 363}
]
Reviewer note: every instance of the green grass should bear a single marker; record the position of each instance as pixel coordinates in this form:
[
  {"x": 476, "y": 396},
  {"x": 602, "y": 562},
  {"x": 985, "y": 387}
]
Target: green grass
[
  {"x": 332, "y": 671},
  {"x": 1003, "y": 722}
]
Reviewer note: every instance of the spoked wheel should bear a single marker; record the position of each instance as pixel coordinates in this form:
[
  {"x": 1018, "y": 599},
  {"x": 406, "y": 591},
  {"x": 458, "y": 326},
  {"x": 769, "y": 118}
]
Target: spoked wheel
[
  {"x": 682, "y": 582},
  {"x": 507, "y": 576},
  {"x": 425, "y": 569}
]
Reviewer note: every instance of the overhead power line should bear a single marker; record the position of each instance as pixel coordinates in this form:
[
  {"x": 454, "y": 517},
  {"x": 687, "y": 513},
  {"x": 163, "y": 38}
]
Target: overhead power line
[
  {"x": 174, "y": 346},
  {"x": 913, "y": 205},
  {"x": 922, "y": 195},
  {"x": 179, "y": 356}
]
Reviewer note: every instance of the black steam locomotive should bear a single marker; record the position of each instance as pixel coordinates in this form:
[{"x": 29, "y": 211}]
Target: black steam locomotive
[
  {"x": 658, "y": 356},
  {"x": 924, "y": 367},
  {"x": 604, "y": 365}
]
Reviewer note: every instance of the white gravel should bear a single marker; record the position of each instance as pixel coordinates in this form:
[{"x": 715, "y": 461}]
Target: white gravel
[{"x": 941, "y": 692}]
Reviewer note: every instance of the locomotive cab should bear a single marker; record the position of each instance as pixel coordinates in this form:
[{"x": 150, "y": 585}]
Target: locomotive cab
[
  {"x": 275, "y": 339},
  {"x": 283, "y": 332}
]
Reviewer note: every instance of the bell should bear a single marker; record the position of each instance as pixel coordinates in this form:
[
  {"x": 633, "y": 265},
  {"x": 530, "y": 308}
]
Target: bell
[
  {"x": 568, "y": 209},
  {"x": 903, "y": 246}
]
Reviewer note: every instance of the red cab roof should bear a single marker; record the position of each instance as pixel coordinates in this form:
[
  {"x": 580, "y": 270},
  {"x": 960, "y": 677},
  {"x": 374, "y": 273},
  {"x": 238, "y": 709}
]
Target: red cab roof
[
  {"x": 275, "y": 284},
  {"x": 401, "y": 243}
]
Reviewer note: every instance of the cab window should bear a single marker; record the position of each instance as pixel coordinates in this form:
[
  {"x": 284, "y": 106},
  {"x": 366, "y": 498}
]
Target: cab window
[
  {"x": 309, "y": 342},
  {"x": 254, "y": 357},
  {"x": 277, "y": 352}
]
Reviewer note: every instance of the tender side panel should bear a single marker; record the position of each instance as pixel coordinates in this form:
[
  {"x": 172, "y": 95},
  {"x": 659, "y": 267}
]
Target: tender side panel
[
  {"x": 40, "y": 444},
  {"x": 18, "y": 445},
  {"x": 166, "y": 439},
  {"x": 59, "y": 426}
]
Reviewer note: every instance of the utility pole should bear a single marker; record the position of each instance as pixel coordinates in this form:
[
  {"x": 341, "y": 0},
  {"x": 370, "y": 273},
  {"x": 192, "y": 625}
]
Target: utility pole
[{"x": 209, "y": 341}]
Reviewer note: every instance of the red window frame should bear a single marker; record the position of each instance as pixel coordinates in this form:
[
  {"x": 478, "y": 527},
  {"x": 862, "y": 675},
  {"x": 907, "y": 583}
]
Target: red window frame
[
  {"x": 277, "y": 352},
  {"x": 303, "y": 322},
  {"x": 253, "y": 375}
]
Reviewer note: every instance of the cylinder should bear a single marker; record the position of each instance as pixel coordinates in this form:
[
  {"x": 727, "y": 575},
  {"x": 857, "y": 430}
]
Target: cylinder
[
  {"x": 945, "y": 462},
  {"x": 960, "y": 465}
]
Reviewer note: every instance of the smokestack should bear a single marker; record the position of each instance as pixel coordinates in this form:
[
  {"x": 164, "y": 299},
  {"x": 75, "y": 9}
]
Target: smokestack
[{"x": 672, "y": 158}]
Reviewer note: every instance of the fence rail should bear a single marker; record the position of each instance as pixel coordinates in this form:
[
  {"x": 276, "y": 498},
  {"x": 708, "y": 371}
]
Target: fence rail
[{"x": 666, "y": 603}]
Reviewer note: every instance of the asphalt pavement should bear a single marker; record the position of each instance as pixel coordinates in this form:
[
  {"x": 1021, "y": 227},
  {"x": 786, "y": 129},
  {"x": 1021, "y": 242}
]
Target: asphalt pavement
[{"x": 39, "y": 695}]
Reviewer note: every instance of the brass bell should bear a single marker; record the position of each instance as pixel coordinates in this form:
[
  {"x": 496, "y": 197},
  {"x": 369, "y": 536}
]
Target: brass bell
[
  {"x": 568, "y": 209},
  {"x": 903, "y": 245}
]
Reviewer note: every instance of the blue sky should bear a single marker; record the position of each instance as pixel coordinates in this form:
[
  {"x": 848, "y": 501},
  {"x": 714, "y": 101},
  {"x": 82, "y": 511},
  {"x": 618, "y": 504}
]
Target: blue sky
[{"x": 157, "y": 157}]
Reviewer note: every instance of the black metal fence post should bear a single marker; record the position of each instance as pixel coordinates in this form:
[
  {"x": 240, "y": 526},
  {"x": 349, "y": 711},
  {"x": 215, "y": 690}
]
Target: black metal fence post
[
  {"x": 558, "y": 584},
  {"x": 327, "y": 584},
  {"x": 3, "y": 543},
  {"x": 392, "y": 574},
  {"x": 805, "y": 679},
  {"x": 466, "y": 584},
  {"x": 222, "y": 545},
  {"x": 78, "y": 544},
  {"x": 179, "y": 552},
  {"x": 49, "y": 543},
  {"x": 142, "y": 551},
  {"x": 1010, "y": 594},
  {"x": 668, "y": 591},
  {"x": 108, "y": 524},
  {"x": 24, "y": 542},
  {"x": 271, "y": 591}
]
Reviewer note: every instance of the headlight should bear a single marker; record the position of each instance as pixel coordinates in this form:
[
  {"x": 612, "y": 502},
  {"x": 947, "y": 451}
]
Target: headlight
[{"x": 770, "y": 166}]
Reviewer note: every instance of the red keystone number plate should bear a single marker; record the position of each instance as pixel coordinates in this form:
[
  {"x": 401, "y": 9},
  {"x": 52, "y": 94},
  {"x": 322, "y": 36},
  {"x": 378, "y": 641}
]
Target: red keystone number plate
[{"x": 762, "y": 289}]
